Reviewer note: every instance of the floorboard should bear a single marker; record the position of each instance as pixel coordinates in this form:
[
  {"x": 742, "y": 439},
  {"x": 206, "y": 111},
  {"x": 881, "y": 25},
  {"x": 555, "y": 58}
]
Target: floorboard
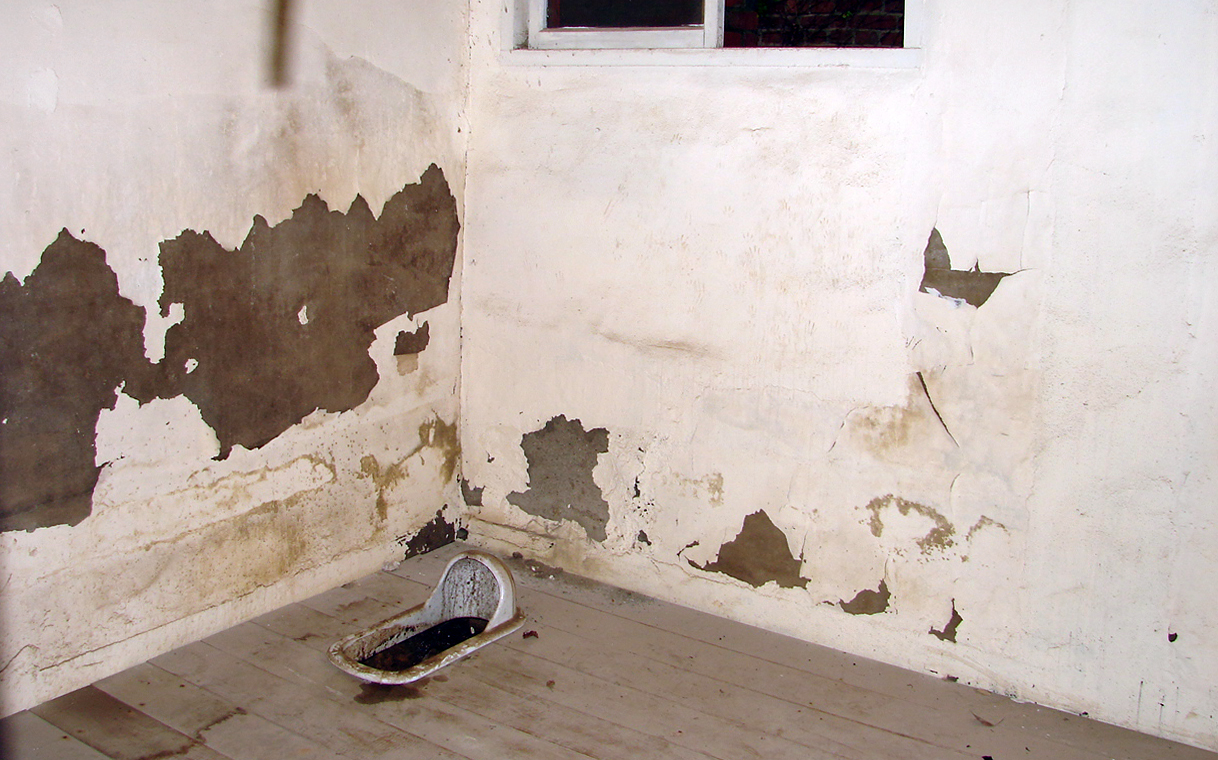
[{"x": 597, "y": 673}]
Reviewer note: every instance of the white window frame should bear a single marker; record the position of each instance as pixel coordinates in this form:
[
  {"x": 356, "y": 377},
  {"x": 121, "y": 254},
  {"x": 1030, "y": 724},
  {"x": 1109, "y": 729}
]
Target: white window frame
[
  {"x": 708, "y": 35},
  {"x": 526, "y": 42}
]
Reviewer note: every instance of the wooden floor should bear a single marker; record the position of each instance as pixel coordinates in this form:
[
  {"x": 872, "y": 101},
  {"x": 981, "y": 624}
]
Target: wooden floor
[{"x": 596, "y": 672}]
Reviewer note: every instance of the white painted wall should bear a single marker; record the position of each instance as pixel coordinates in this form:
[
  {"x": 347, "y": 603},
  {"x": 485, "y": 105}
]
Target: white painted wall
[
  {"x": 720, "y": 266},
  {"x": 128, "y": 122}
]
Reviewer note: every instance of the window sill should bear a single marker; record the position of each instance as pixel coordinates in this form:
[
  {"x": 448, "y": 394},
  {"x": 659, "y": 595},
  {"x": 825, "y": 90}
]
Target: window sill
[{"x": 852, "y": 58}]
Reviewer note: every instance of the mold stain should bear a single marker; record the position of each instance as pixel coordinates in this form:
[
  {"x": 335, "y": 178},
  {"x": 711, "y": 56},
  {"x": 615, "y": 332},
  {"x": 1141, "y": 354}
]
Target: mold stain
[
  {"x": 436, "y": 533},
  {"x": 949, "y": 631},
  {"x": 974, "y": 287},
  {"x": 757, "y": 555},
  {"x": 939, "y": 538},
  {"x": 561, "y": 457},
  {"x": 67, "y": 340},
  {"x": 868, "y": 602},
  {"x": 245, "y": 355}
]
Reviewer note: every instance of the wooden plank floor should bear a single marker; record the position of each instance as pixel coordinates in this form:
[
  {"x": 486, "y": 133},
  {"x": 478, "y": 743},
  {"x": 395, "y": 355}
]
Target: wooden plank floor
[{"x": 609, "y": 674}]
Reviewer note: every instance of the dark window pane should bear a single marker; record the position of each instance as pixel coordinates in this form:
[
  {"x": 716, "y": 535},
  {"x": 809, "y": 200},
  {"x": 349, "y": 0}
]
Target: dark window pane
[
  {"x": 814, "y": 23},
  {"x": 616, "y": 14}
]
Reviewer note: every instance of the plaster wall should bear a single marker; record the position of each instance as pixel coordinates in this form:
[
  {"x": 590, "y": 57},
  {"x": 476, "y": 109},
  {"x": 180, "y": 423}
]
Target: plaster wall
[
  {"x": 268, "y": 436},
  {"x": 706, "y": 356}
]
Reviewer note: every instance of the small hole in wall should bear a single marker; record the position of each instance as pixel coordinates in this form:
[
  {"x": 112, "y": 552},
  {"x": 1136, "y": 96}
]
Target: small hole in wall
[{"x": 1172, "y": 637}]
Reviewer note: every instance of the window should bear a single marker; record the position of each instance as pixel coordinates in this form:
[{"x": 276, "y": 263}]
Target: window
[{"x": 659, "y": 24}]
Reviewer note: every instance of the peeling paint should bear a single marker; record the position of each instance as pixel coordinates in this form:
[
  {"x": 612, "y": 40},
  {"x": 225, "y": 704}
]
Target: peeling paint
[
  {"x": 949, "y": 631},
  {"x": 757, "y": 555},
  {"x": 974, "y": 287},
  {"x": 67, "y": 340},
  {"x": 412, "y": 342},
  {"x": 867, "y": 602},
  {"x": 939, "y": 538},
  {"x": 436, "y": 533},
  {"x": 254, "y": 364},
  {"x": 471, "y": 495},
  {"x": 259, "y": 322},
  {"x": 561, "y": 457}
]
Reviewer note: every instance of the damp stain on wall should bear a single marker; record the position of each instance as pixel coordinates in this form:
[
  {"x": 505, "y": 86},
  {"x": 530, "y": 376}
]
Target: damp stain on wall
[
  {"x": 441, "y": 436},
  {"x": 561, "y": 457},
  {"x": 868, "y": 602},
  {"x": 67, "y": 340},
  {"x": 271, "y": 332},
  {"x": 436, "y": 533},
  {"x": 949, "y": 631},
  {"x": 938, "y": 538},
  {"x": 757, "y": 555},
  {"x": 972, "y": 286},
  {"x": 281, "y": 327}
]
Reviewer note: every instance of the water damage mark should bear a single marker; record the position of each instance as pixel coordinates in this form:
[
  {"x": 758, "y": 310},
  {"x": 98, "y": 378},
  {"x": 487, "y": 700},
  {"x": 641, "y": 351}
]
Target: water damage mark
[
  {"x": 272, "y": 331},
  {"x": 938, "y": 538},
  {"x": 949, "y": 631},
  {"x": 245, "y": 357},
  {"x": 971, "y": 286},
  {"x": 758, "y": 555},
  {"x": 441, "y": 436},
  {"x": 561, "y": 458},
  {"x": 412, "y": 342},
  {"x": 868, "y": 602},
  {"x": 67, "y": 340},
  {"x": 439, "y": 532}
]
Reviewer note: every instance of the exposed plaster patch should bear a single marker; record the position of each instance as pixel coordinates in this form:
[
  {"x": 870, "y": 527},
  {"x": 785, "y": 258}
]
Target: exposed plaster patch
[
  {"x": 974, "y": 287},
  {"x": 471, "y": 495},
  {"x": 561, "y": 457},
  {"x": 868, "y": 602},
  {"x": 257, "y": 371},
  {"x": 67, "y": 341},
  {"x": 258, "y": 326},
  {"x": 757, "y": 555},
  {"x": 436, "y": 533},
  {"x": 938, "y": 538},
  {"x": 949, "y": 631},
  {"x": 412, "y": 342}
]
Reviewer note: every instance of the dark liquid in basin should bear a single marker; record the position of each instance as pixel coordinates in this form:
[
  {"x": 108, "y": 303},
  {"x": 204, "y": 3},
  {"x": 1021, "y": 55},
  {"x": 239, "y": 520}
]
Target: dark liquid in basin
[{"x": 410, "y": 652}]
